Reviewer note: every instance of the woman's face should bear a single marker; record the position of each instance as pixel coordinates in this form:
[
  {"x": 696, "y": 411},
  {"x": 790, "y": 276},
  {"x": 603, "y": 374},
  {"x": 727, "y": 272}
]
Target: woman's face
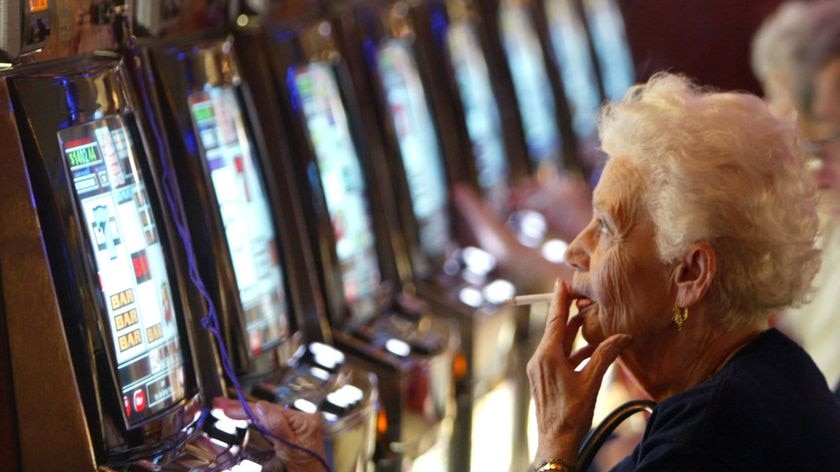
[{"x": 617, "y": 267}]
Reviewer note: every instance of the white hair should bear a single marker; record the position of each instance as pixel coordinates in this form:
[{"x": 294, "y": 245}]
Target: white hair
[{"x": 721, "y": 168}]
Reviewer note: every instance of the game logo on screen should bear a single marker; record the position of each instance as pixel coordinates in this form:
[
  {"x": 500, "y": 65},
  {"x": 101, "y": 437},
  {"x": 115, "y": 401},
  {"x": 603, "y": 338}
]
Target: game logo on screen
[
  {"x": 245, "y": 214},
  {"x": 130, "y": 264},
  {"x": 343, "y": 183},
  {"x": 419, "y": 148}
]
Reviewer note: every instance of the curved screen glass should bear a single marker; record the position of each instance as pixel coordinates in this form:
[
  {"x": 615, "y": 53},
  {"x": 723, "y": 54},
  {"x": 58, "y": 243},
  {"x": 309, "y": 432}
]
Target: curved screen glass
[
  {"x": 570, "y": 45},
  {"x": 610, "y": 41},
  {"x": 130, "y": 265},
  {"x": 245, "y": 214},
  {"x": 482, "y": 114},
  {"x": 343, "y": 183},
  {"x": 419, "y": 149},
  {"x": 533, "y": 92}
]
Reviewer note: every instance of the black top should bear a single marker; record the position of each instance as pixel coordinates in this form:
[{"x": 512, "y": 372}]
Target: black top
[{"x": 768, "y": 409}]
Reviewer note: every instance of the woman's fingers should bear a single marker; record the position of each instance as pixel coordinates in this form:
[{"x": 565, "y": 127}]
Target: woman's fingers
[
  {"x": 606, "y": 353},
  {"x": 581, "y": 355},
  {"x": 273, "y": 418},
  {"x": 571, "y": 332},
  {"x": 558, "y": 316}
]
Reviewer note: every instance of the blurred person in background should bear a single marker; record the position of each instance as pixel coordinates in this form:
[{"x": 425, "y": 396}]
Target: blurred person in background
[{"x": 796, "y": 55}]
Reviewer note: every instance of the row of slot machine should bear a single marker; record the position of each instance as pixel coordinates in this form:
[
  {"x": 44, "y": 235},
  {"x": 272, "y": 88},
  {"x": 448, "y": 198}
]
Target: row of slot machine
[{"x": 207, "y": 198}]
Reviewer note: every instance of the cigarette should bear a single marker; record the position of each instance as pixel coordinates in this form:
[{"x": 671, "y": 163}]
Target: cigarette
[{"x": 531, "y": 299}]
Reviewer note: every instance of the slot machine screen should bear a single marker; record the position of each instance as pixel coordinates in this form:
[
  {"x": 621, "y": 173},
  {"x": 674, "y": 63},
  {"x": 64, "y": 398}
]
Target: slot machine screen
[
  {"x": 343, "y": 183},
  {"x": 419, "y": 147},
  {"x": 482, "y": 115},
  {"x": 245, "y": 213},
  {"x": 568, "y": 38},
  {"x": 131, "y": 268},
  {"x": 610, "y": 41},
  {"x": 533, "y": 92}
]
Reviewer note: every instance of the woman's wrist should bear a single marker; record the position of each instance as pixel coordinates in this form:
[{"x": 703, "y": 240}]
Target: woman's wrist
[
  {"x": 563, "y": 449},
  {"x": 559, "y": 464}
]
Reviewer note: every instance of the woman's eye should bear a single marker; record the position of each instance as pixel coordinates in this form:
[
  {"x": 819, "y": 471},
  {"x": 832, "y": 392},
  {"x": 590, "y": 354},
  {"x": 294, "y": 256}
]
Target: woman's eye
[{"x": 602, "y": 226}]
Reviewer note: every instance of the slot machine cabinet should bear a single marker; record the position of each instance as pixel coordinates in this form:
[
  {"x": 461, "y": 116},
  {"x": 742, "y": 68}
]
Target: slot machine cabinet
[
  {"x": 409, "y": 345},
  {"x": 614, "y": 62},
  {"x": 103, "y": 337},
  {"x": 451, "y": 50},
  {"x": 443, "y": 273},
  {"x": 571, "y": 48},
  {"x": 541, "y": 103},
  {"x": 28, "y": 35},
  {"x": 8, "y": 423},
  {"x": 243, "y": 226}
]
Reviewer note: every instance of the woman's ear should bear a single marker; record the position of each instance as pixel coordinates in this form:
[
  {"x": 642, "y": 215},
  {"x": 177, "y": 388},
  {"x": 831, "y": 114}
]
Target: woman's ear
[{"x": 694, "y": 274}]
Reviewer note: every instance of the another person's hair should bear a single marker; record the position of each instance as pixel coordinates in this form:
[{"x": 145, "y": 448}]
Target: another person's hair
[
  {"x": 795, "y": 41},
  {"x": 721, "y": 168},
  {"x": 825, "y": 42},
  {"x": 778, "y": 48}
]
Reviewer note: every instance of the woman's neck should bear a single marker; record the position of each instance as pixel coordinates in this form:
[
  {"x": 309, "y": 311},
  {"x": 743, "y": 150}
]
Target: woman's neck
[{"x": 676, "y": 361}]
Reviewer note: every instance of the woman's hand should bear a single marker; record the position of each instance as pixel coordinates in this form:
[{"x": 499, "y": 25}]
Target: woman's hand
[
  {"x": 300, "y": 428},
  {"x": 565, "y": 397}
]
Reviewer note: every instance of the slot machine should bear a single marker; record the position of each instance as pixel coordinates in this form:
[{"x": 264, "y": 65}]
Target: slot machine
[
  {"x": 244, "y": 228},
  {"x": 569, "y": 42},
  {"x": 407, "y": 343},
  {"x": 609, "y": 40},
  {"x": 542, "y": 105},
  {"x": 103, "y": 330},
  {"x": 393, "y": 63},
  {"x": 452, "y": 49}
]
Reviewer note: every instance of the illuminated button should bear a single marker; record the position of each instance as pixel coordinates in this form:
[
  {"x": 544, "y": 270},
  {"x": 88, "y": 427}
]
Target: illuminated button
[
  {"x": 319, "y": 373},
  {"x": 470, "y": 296},
  {"x": 477, "y": 260},
  {"x": 530, "y": 227},
  {"x": 554, "y": 250},
  {"x": 499, "y": 291},
  {"x": 305, "y": 405},
  {"x": 326, "y": 356},
  {"x": 397, "y": 347}
]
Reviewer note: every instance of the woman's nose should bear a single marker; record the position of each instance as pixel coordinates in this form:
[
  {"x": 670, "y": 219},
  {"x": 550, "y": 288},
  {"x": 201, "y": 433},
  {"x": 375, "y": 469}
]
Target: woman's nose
[{"x": 577, "y": 255}]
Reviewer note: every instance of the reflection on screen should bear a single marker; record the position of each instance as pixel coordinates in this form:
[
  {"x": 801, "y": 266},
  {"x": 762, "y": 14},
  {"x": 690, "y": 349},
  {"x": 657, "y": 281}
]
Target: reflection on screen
[
  {"x": 343, "y": 184},
  {"x": 611, "y": 45},
  {"x": 533, "y": 92},
  {"x": 568, "y": 38},
  {"x": 483, "y": 122},
  {"x": 419, "y": 149},
  {"x": 130, "y": 265},
  {"x": 245, "y": 214}
]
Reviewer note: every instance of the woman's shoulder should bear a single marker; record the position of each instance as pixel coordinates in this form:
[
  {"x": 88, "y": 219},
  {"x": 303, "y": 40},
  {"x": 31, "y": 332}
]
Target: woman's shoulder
[{"x": 769, "y": 405}]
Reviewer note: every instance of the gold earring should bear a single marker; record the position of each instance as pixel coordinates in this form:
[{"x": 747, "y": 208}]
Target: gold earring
[{"x": 680, "y": 315}]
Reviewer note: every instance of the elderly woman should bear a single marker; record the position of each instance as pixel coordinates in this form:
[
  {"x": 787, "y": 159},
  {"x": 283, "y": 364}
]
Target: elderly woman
[{"x": 704, "y": 225}]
